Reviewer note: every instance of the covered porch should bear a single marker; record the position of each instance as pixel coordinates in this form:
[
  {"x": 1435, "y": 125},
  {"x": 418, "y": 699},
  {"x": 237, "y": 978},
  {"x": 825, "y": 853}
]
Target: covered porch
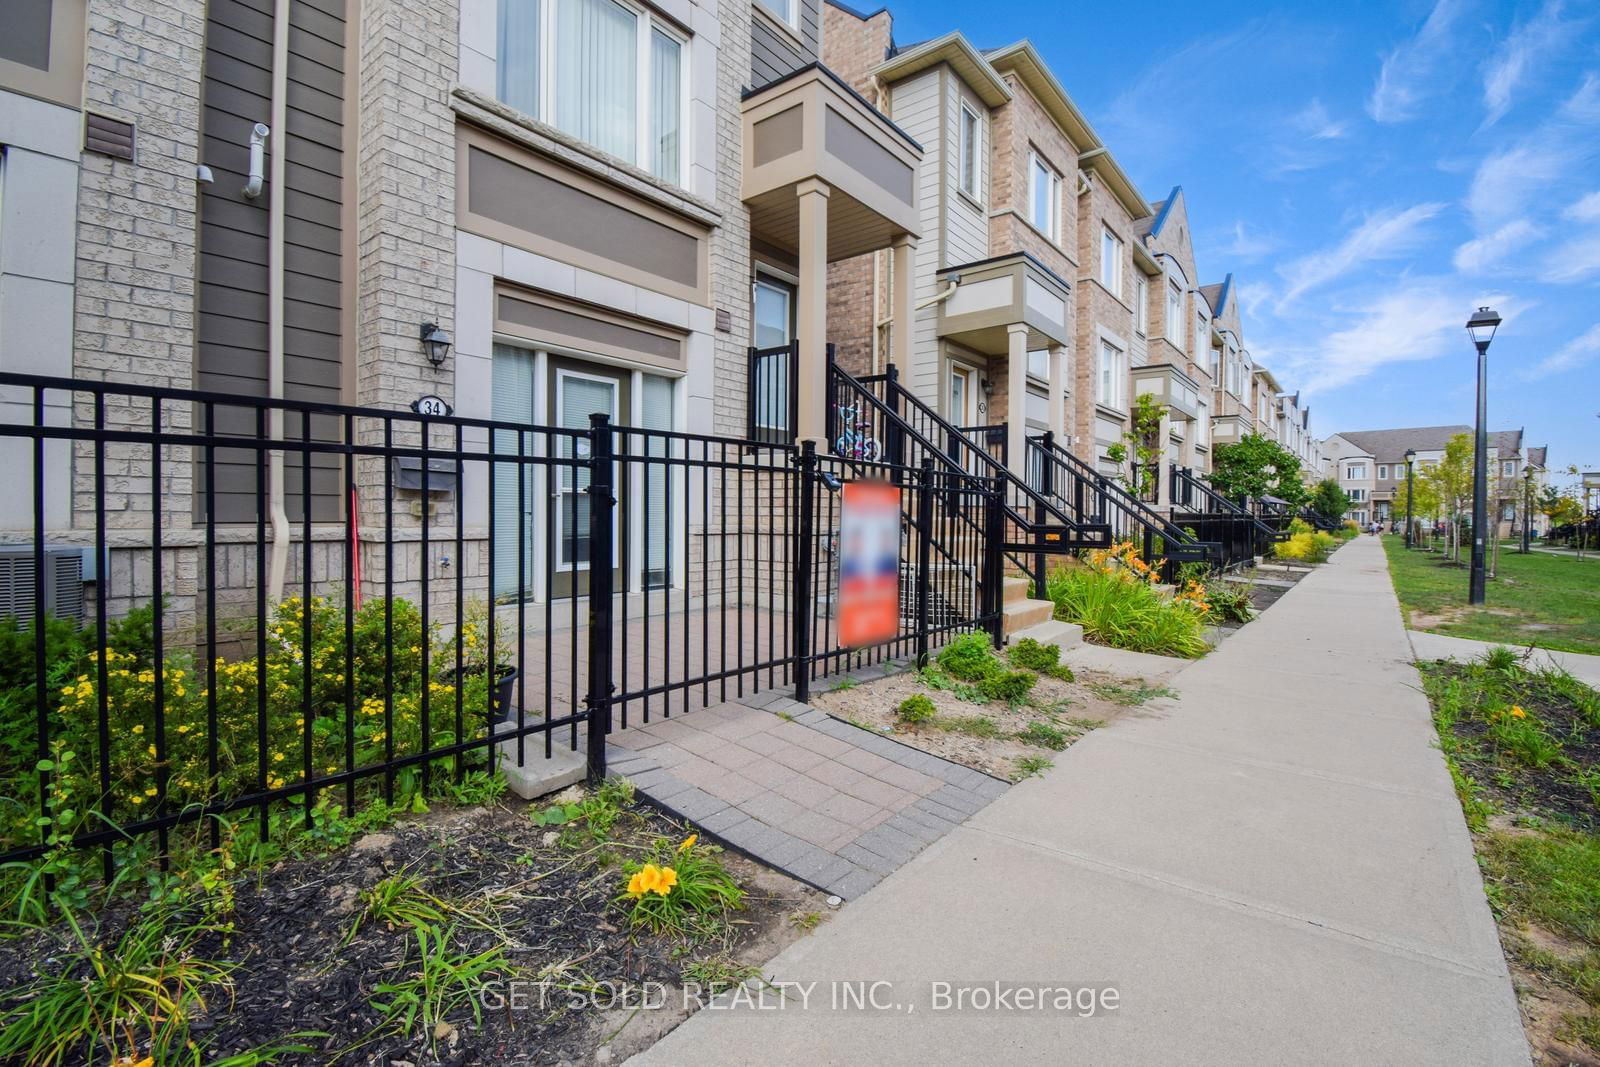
[{"x": 827, "y": 177}]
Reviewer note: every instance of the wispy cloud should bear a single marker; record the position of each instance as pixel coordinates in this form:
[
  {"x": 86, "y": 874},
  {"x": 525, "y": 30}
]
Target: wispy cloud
[
  {"x": 1419, "y": 320},
  {"x": 1586, "y": 209},
  {"x": 1246, "y": 244},
  {"x": 1575, "y": 353},
  {"x": 1481, "y": 253},
  {"x": 1575, "y": 261},
  {"x": 1517, "y": 55},
  {"x": 1584, "y": 105},
  {"x": 1506, "y": 181},
  {"x": 1252, "y": 295},
  {"x": 1315, "y": 122},
  {"x": 1410, "y": 69},
  {"x": 1386, "y": 235}
]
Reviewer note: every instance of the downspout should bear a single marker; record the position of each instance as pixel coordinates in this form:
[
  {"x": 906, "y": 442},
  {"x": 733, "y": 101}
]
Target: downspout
[{"x": 275, "y": 209}]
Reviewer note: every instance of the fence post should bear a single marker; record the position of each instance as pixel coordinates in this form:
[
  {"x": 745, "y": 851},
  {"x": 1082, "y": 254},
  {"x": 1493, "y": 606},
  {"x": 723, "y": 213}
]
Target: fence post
[
  {"x": 801, "y": 608},
  {"x": 924, "y": 550},
  {"x": 993, "y": 535},
  {"x": 1039, "y": 512},
  {"x": 601, "y": 551},
  {"x": 896, "y": 444}
]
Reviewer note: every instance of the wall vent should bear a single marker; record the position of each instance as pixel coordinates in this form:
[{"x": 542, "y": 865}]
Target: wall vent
[
  {"x": 109, "y": 137},
  {"x": 63, "y": 583}
]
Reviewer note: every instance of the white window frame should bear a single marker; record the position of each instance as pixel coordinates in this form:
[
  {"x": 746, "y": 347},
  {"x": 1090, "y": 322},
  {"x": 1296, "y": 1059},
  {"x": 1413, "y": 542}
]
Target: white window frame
[
  {"x": 969, "y": 151},
  {"x": 1108, "y": 388},
  {"x": 1111, "y": 261},
  {"x": 791, "y": 20},
  {"x": 563, "y": 373},
  {"x": 648, "y": 22},
  {"x": 1052, "y": 227},
  {"x": 1176, "y": 326},
  {"x": 1357, "y": 495},
  {"x": 1355, "y": 472},
  {"x": 1141, "y": 303},
  {"x": 1508, "y": 468},
  {"x": 1383, "y": 472}
]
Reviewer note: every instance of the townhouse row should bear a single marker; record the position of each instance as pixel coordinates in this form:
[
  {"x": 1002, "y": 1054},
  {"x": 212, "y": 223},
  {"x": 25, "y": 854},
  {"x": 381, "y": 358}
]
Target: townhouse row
[{"x": 535, "y": 210}]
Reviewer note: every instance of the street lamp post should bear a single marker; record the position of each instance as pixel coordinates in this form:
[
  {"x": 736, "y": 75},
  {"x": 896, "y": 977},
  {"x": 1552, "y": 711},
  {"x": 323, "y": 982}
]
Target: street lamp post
[
  {"x": 1411, "y": 458},
  {"x": 1527, "y": 506},
  {"x": 1481, "y": 326}
]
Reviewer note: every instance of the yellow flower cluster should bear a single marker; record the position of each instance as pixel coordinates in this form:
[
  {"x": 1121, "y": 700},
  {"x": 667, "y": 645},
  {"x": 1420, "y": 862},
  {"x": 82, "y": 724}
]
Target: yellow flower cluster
[
  {"x": 652, "y": 879},
  {"x": 1123, "y": 559},
  {"x": 1194, "y": 595}
]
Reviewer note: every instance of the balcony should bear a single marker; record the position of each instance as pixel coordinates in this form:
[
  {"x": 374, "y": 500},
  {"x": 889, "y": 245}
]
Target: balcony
[
  {"x": 1170, "y": 386},
  {"x": 992, "y": 295},
  {"x": 811, "y": 126}
]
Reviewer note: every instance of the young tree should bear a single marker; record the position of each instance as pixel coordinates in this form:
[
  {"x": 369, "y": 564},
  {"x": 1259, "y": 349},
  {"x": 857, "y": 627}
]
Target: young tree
[
  {"x": 1255, "y": 467},
  {"x": 1451, "y": 480},
  {"x": 1424, "y": 502},
  {"x": 1329, "y": 501}
]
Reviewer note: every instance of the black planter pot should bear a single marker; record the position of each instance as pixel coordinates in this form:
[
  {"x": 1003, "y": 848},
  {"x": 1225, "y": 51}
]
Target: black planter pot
[{"x": 505, "y": 681}]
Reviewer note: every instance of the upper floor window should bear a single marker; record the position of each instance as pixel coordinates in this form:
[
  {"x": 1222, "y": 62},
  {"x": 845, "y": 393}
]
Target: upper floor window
[
  {"x": 580, "y": 64},
  {"x": 1111, "y": 262},
  {"x": 1175, "y": 313},
  {"x": 1108, "y": 382},
  {"x": 1355, "y": 471},
  {"x": 971, "y": 145},
  {"x": 1508, "y": 468},
  {"x": 1141, "y": 303},
  {"x": 1200, "y": 331},
  {"x": 787, "y": 10},
  {"x": 1216, "y": 365},
  {"x": 1383, "y": 472},
  {"x": 1045, "y": 199}
]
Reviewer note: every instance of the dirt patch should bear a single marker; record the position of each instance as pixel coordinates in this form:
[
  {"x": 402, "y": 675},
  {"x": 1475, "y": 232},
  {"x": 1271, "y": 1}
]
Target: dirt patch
[
  {"x": 1547, "y": 1008},
  {"x": 1070, "y": 709},
  {"x": 549, "y": 899}
]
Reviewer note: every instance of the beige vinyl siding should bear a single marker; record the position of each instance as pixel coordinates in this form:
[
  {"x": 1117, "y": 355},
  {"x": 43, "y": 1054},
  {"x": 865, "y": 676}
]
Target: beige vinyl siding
[
  {"x": 966, "y": 227},
  {"x": 774, "y": 53},
  {"x": 232, "y": 351},
  {"x": 915, "y": 109}
]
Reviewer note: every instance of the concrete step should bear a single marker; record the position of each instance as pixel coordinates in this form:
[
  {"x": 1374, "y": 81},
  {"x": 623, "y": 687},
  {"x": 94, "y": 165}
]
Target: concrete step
[
  {"x": 1021, "y": 614},
  {"x": 1014, "y": 589},
  {"x": 1054, "y": 632}
]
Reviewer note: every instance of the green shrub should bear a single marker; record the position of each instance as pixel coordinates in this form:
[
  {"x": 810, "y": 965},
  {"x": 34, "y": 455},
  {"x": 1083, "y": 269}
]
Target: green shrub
[
  {"x": 1123, "y": 613},
  {"x": 969, "y": 657},
  {"x": 915, "y": 708},
  {"x": 1062, "y": 672},
  {"x": 1229, "y": 602},
  {"x": 1305, "y": 547},
  {"x": 1031, "y": 655},
  {"x": 1009, "y": 686}
]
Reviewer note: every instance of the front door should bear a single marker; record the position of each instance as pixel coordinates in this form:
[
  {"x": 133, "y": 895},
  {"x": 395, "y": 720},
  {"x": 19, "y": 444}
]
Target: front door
[
  {"x": 578, "y": 390},
  {"x": 959, "y": 407}
]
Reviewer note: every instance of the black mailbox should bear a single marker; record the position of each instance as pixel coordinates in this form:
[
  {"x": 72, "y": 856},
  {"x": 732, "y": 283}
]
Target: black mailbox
[{"x": 441, "y": 474}]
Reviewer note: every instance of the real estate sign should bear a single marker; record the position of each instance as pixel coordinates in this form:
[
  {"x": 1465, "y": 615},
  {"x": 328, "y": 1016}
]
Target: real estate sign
[{"x": 869, "y": 563}]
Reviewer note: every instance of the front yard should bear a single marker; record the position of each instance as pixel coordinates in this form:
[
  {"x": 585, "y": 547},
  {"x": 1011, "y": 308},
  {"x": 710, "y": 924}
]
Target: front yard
[
  {"x": 1523, "y": 747},
  {"x": 1544, "y": 599}
]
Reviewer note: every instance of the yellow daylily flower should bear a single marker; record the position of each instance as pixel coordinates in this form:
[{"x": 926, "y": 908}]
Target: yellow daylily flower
[
  {"x": 688, "y": 842},
  {"x": 1517, "y": 712}
]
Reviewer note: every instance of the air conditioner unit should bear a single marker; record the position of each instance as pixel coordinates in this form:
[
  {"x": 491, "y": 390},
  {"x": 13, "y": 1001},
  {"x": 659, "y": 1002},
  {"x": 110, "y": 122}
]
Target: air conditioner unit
[{"x": 63, "y": 582}]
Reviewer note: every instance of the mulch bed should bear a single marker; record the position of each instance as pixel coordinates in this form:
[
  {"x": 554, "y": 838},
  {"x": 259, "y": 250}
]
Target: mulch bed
[
  {"x": 297, "y": 972},
  {"x": 1073, "y": 707},
  {"x": 1515, "y": 787}
]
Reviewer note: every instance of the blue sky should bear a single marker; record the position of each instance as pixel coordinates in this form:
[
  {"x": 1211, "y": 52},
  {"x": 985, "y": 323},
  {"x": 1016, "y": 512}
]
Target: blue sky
[{"x": 1370, "y": 172}]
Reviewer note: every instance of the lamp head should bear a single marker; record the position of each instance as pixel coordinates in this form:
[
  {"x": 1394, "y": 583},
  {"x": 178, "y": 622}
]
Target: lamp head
[{"x": 1482, "y": 326}]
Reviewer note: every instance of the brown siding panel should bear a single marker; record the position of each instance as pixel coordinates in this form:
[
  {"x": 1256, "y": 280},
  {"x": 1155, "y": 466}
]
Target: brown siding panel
[{"x": 233, "y": 237}]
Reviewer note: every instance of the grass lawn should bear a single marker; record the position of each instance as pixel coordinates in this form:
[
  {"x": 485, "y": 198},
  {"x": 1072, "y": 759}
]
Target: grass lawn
[{"x": 1550, "y": 600}]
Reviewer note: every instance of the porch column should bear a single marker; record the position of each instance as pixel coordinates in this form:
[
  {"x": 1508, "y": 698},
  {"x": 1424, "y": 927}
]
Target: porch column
[
  {"x": 811, "y": 319},
  {"x": 904, "y": 309},
  {"x": 1017, "y": 395},
  {"x": 1164, "y": 464},
  {"x": 1058, "y": 394}
]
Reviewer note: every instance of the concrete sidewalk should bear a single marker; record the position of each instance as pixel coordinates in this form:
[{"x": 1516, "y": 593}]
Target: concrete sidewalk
[
  {"x": 1428, "y": 646},
  {"x": 1270, "y": 868}
]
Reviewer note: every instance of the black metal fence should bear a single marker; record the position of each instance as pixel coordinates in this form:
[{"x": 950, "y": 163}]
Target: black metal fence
[
  {"x": 484, "y": 590},
  {"x": 1242, "y": 534}
]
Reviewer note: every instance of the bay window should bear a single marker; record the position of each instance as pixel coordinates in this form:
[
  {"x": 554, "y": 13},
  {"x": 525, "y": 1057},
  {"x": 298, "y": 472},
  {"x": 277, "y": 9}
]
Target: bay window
[
  {"x": 604, "y": 71},
  {"x": 1045, "y": 199}
]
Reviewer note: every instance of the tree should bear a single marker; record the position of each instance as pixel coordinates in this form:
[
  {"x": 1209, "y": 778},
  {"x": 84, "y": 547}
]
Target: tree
[
  {"x": 1451, "y": 480},
  {"x": 1424, "y": 502},
  {"x": 1329, "y": 501},
  {"x": 1255, "y": 467}
]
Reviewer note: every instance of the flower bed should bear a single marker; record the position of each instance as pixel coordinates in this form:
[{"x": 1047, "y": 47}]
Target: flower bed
[{"x": 1115, "y": 598}]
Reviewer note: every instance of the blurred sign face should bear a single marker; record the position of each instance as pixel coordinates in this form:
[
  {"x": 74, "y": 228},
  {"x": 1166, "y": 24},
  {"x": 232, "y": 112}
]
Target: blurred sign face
[{"x": 869, "y": 563}]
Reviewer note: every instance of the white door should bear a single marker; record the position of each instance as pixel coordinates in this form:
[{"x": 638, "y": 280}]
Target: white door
[{"x": 514, "y": 529}]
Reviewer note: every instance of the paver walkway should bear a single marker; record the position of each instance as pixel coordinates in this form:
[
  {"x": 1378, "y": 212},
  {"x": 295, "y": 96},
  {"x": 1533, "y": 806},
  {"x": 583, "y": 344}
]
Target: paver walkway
[
  {"x": 1270, "y": 868},
  {"x": 824, "y": 801}
]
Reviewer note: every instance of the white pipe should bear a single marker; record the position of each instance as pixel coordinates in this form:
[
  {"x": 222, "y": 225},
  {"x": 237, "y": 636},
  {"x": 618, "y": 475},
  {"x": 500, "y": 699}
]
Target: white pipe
[
  {"x": 275, "y": 209},
  {"x": 258, "y": 146},
  {"x": 937, "y": 298}
]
